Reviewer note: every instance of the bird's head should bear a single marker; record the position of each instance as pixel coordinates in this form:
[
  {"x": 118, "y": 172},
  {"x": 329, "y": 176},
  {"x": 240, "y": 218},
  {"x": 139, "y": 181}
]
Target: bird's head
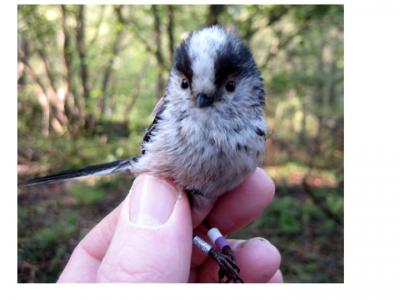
[{"x": 213, "y": 69}]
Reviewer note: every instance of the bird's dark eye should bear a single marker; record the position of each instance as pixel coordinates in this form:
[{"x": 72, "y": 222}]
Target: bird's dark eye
[
  {"x": 230, "y": 86},
  {"x": 184, "y": 84}
]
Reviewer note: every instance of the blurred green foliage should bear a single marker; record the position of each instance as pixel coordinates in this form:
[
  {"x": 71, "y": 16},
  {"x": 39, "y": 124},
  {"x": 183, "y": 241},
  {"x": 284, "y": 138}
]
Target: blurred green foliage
[{"x": 89, "y": 77}]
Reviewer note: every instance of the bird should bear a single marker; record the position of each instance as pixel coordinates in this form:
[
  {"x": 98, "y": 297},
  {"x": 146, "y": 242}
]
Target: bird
[{"x": 208, "y": 133}]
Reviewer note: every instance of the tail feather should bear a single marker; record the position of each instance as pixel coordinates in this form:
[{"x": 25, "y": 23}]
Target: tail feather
[{"x": 117, "y": 166}]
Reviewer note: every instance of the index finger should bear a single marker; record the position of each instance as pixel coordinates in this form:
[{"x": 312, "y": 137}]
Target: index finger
[
  {"x": 238, "y": 208},
  {"x": 244, "y": 204}
]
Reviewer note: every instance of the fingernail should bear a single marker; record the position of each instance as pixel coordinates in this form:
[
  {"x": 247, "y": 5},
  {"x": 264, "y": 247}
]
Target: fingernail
[
  {"x": 152, "y": 201},
  {"x": 263, "y": 240},
  {"x": 252, "y": 240}
]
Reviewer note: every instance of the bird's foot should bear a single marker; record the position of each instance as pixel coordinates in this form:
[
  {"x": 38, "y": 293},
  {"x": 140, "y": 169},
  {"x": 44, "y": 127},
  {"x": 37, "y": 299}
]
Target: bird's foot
[
  {"x": 228, "y": 269},
  {"x": 222, "y": 254}
]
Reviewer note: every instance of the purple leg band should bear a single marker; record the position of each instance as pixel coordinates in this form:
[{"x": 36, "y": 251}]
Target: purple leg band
[{"x": 221, "y": 242}]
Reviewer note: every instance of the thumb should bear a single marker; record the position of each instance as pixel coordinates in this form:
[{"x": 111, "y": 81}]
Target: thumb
[{"x": 153, "y": 238}]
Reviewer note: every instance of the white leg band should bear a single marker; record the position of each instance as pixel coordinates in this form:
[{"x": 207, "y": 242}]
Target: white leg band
[{"x": 214, "y": 234}]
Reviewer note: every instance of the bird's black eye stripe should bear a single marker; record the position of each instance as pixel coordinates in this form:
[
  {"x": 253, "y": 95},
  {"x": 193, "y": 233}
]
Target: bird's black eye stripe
[
  {"x": 182, "y": 61},
  {"x": 234, "y": 59}
]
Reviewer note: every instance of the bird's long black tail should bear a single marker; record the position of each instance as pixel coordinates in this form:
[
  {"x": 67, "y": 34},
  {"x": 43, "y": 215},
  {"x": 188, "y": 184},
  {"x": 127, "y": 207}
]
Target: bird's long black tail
[{"x": 117, "y": 166}]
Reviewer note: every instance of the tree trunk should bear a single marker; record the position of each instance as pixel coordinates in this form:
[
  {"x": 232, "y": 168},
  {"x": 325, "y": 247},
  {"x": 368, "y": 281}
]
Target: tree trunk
[
  {"x": 22, "y": 75},
  {"x": 116, "y": 48},
  {"x": 43, "y": 55},
  {"x": 51, "y": 103},
  {"x": 71, "y": 93},
  {"x": 170, "y": 30},
  {"x": 158, "y": 53},
  {"x": 319, "y": 103},
  {"x": 98, "y": 25},
  {"x": 332, "y": 94},
  {"x": 57, "y": 103},
  {"x": 137, "y": 30},
  {"x": 44, "y": 98},
  {"x": 80, "y": 42},
  {"x": 214, "y": 11}
]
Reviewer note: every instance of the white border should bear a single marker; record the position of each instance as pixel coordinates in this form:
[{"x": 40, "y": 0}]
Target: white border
[{"x": 372, "y": 150}]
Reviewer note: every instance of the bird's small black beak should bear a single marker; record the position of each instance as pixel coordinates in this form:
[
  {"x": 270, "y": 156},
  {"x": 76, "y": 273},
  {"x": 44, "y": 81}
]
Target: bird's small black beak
[{"x": 202, "y": 100}]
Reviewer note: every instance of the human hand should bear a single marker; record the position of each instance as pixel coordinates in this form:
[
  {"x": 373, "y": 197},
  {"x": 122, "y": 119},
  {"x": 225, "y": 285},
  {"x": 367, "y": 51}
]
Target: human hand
[{"x": 148, "y": 237}]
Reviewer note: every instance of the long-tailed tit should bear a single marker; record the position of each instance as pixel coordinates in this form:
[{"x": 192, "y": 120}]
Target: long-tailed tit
[{"x": 208, "y": 133}]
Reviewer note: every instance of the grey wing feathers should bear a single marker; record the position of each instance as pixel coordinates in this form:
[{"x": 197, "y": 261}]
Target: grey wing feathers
[{"x": 160, "y": 106}]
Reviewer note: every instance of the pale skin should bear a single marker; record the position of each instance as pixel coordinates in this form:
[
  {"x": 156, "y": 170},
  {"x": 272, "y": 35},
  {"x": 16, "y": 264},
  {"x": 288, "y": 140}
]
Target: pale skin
[{"x": 122, "y": 249}]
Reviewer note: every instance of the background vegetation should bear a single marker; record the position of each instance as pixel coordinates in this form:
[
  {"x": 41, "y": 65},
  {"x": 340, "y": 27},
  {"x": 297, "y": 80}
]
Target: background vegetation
[{"x": 89, "y": 77}]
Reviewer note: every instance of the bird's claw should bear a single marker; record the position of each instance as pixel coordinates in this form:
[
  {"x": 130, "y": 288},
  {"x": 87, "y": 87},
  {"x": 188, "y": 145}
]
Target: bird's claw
[{"x": 229, "y": 271}]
